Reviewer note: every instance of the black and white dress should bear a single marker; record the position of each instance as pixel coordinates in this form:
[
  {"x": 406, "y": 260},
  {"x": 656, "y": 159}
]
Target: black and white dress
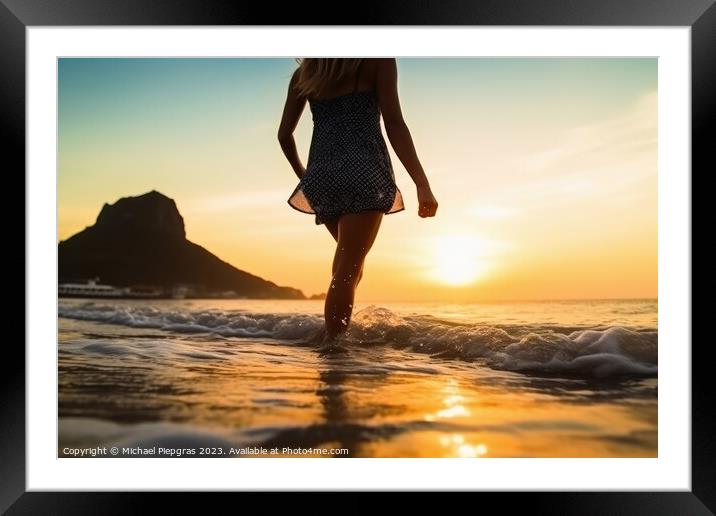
[{"x": 349, "y": 168}]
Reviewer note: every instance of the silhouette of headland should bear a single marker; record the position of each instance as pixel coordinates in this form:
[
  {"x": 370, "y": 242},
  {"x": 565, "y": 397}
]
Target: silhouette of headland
[{"x": 141, "y": 241}]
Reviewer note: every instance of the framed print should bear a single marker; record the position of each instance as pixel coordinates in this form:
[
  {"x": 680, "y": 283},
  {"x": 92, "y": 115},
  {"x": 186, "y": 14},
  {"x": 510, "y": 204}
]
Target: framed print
[{"x": 502, "y": 301}]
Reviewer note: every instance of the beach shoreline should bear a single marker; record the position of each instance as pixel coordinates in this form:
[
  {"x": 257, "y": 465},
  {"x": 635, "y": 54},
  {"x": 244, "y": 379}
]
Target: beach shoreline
[{"x": 213, "y": 376}]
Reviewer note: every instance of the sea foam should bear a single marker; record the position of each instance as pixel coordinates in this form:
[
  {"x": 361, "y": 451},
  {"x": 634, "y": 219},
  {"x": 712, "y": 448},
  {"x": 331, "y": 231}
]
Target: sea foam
[{"x": 534, "y": 349}]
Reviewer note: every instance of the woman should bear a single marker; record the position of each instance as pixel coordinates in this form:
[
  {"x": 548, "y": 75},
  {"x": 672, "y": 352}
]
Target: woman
[{"x": 349, "y": 182}]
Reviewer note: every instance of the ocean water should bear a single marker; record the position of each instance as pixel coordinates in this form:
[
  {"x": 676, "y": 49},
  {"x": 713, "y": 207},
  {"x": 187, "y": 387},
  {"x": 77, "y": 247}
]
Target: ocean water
[{"x": 508, "y": 379}]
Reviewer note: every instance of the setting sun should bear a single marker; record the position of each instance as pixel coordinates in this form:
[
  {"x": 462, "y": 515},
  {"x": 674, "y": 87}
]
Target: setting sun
[{"x": 458, "y": 260}]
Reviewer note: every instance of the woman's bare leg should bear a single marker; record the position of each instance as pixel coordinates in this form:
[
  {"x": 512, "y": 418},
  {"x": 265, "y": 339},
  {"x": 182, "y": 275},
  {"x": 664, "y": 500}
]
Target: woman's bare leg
[
  {"x": 332, "y": 226},
  {"x": 356, "y": 234}
]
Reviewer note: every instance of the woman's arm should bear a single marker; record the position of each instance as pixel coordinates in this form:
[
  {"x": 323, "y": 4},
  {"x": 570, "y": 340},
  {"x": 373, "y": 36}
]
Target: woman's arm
[
  {"x": 399, "y": 134},
  {"x": 291, "y": 114}
]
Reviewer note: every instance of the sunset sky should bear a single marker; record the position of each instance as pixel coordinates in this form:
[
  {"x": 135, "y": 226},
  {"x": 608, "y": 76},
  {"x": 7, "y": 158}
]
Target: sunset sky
[{"x": 545, "y": 170}]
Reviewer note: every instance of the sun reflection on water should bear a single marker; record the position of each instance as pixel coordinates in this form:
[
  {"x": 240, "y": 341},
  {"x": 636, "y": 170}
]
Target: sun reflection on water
[{"x": 454, "y": 407}]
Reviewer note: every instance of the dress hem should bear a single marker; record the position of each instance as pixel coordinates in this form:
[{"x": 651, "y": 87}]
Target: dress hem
[
  {"x": 360, "y": 211},
  {"x": 389, "y": 211},
  {"x": 299, "y": 209}
]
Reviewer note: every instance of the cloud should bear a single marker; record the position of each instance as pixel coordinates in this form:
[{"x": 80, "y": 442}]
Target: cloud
[{"x": 604, "y": 158}]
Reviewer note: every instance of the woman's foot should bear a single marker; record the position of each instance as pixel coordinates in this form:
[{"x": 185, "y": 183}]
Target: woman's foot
[
  {"x": 315, "y": 339},
  {"x": 332, "y": 345}
]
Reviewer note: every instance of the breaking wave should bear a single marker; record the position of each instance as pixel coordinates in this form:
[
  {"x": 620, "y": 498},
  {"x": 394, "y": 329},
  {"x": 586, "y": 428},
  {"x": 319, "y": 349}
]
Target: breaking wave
[{"x": 532, "y": 349}]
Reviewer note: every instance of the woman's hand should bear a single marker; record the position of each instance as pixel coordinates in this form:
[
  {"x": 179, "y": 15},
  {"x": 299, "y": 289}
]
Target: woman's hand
[{"x": 427, "y": 205}]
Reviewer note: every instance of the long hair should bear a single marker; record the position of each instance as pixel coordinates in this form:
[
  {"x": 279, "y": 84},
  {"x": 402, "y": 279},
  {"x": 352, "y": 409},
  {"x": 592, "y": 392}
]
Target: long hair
[{"x": 314, "y": 73}]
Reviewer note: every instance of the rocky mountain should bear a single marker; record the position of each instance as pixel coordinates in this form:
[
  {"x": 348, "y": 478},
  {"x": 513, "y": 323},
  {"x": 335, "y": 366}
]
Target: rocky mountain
[{"x": 141, "y": 241}]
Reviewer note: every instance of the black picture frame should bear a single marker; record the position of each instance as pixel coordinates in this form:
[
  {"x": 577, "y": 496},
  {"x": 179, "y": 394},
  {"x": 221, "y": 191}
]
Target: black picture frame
[{"x": 699, "y": 15}]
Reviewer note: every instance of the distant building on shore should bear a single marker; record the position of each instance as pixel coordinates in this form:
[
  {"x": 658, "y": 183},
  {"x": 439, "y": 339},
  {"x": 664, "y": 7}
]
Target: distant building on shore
[{"x": 92, "y": 288}]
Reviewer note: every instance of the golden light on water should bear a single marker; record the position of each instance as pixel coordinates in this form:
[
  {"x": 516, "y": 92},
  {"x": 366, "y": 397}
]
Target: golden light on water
[
  {"x": 458, "y": 259},
  {"x": 467, "y": 450},
  {"x": 457, "y": 410},
  {"x": 453, "y": 401},
  {"x": 455, "y": 407}
]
